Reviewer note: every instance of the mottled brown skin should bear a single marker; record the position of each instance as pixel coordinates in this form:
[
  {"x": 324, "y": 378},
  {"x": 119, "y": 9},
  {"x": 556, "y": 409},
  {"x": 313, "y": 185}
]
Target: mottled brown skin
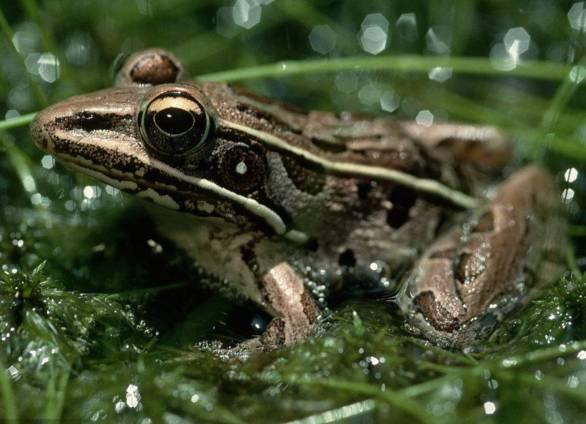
[
  {"x": 481, "y": 264},
  {"x": 367, "y": 227}
]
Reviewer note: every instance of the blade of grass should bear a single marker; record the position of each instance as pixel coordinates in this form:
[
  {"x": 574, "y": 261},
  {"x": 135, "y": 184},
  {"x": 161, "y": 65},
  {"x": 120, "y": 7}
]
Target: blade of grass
[
  {"x": 19, "y": 121},
  {"x": 458, "y": 357},
  {"x": 564, "y": 93},
  {"x": 399, "y": 63},
  {"x": 578, "y": 231},
  {"x": 571, "y": 261},
  {"x": 342, "y": 413},
  {"x": 541, "y": 355},
  {"x": 394, "y": 398},
  {"x": 544, "y": 383},
  {"x": 426, "y": 387},
  {"x": 570, "y": 148},
  {"x": 9, "y": 34},
  {"x": 20, "y": 164},
  {"x": 48, "y": 40},
  {"x": 8, "y": 398},
  {"x": 55, "y": 396}
]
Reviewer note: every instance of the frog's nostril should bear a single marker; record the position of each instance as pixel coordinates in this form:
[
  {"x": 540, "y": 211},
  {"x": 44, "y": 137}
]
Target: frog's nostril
[{"x": 89, "y": 121}]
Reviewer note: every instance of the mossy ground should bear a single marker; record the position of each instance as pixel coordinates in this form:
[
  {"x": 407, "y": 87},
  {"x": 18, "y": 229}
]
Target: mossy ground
[{"x": 102, "y": 319}]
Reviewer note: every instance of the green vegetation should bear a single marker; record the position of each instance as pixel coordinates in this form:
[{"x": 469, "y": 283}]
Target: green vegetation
[{"x": 102, "y": 319}]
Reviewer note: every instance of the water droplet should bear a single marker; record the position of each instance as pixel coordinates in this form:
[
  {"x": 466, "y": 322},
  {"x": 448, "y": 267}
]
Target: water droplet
[
  {"x": 489, "y": 408},
  {"x": 225, "y": 25},
  {"x": 438, "y": 39},
  {"x": 424, "y": 117},
  {"x": 48, "y": 67},
  {"x": 389, "y": 101},
  {"x": 577, "y": 74},
  {"x": 407, "y": 26},
  {"x": 374, "y": 33},
  {"x": 567, "y": 195},
  {"x": 440, "y": 74},
  {"x": 132, "y": 396},
  {"x": 48, "y": 162},
  {"x": 516, "y": 42},
  {"x": 11, "y": 114},
  {"x": 322, "y": 39},
  {"x": 246, "y": 13},
  {"x": 577, "y": 16}
]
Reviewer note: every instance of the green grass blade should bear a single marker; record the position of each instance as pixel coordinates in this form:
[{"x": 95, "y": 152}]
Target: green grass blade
[
  {"x": 55, "y": 396},
  {"x": 8, "y": 398},
  {"x": 9, "y": 34},
  {"x": 393, "y": 398},
  {"x": 399, "y": 63},
  {"x": 20, "y": 164},
  {"x": 48, "y": 39},
  {"x": 17, "y": 122},
  {"x": 564, "y": 93}
]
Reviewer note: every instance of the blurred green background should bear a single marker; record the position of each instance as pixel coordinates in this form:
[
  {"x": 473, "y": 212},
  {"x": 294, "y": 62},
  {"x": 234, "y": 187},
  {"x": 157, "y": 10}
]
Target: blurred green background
[{"x": 102, "y": 319}]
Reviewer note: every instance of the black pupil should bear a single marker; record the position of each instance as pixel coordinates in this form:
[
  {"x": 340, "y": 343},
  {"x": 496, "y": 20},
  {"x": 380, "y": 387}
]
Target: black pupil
[{"x": 174, "y": 121}]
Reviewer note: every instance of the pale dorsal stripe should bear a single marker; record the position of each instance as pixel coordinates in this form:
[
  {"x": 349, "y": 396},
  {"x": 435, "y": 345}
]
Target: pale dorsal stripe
[{"x": 357, "y": 170}]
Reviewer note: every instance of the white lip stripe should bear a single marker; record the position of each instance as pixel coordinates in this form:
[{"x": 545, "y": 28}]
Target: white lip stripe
[
  {"x": 98, "y": 171},
  {"x": 352, "y": 169}
]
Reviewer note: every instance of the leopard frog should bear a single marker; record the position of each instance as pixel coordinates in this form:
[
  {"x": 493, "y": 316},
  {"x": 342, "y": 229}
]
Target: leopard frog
[{"x": 281, "y": 205}]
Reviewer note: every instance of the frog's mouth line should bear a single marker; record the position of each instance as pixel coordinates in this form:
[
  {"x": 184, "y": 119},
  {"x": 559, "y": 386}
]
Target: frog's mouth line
[{"x": 75, "y": 147}]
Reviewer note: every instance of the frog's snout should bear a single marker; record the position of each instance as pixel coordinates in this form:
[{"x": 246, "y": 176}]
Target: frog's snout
[{"x": 39, "y": 131}]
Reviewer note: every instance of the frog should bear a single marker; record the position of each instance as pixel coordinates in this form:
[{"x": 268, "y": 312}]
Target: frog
[{"x": 282, "y": 206}]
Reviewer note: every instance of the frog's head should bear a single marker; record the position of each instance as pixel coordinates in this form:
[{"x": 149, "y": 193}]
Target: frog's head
[{"x": 163, "y": 143}]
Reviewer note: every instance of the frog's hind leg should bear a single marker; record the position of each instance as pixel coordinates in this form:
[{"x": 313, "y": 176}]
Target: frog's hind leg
[
  {"x": 485, "y": 148},
  {"x": 471, "y": 278}
]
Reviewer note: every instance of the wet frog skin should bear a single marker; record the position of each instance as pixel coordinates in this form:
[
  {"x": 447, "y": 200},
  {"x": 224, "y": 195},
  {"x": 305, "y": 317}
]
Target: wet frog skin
[{"x": 273, "y": 201}]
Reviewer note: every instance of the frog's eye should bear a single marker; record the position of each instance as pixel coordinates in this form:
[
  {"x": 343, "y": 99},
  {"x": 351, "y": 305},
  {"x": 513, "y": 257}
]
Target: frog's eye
[{"x": 174, "y": 124}]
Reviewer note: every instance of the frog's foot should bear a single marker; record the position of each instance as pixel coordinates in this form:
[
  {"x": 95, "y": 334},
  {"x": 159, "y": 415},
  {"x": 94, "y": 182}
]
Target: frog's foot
[
  {"x": 295, "y": 312},
  {"x": 470, "y": 279}
]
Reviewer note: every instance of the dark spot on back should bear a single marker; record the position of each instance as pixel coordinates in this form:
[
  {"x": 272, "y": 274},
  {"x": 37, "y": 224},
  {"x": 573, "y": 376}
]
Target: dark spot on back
[
  {"x": 304, "y": 179},
  {"x": 364, "y": 189},
  {"x": 312, "y": 245},
  {"x": 402, "y": 199},
  {"x": 347, "y": 258}
]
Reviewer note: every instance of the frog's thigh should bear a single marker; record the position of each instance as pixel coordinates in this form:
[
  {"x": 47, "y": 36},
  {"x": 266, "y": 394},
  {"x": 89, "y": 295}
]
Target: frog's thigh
[
  {"x": 512, "y": 246},
  {"x": 294, "y": 309},
  {"x": 484, "y": 147}
]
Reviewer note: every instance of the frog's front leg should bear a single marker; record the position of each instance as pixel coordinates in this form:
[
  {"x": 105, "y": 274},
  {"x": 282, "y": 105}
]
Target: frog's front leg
[
  {"x": 477, "y": 273},
  {"x": 294, "y": 310}
]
